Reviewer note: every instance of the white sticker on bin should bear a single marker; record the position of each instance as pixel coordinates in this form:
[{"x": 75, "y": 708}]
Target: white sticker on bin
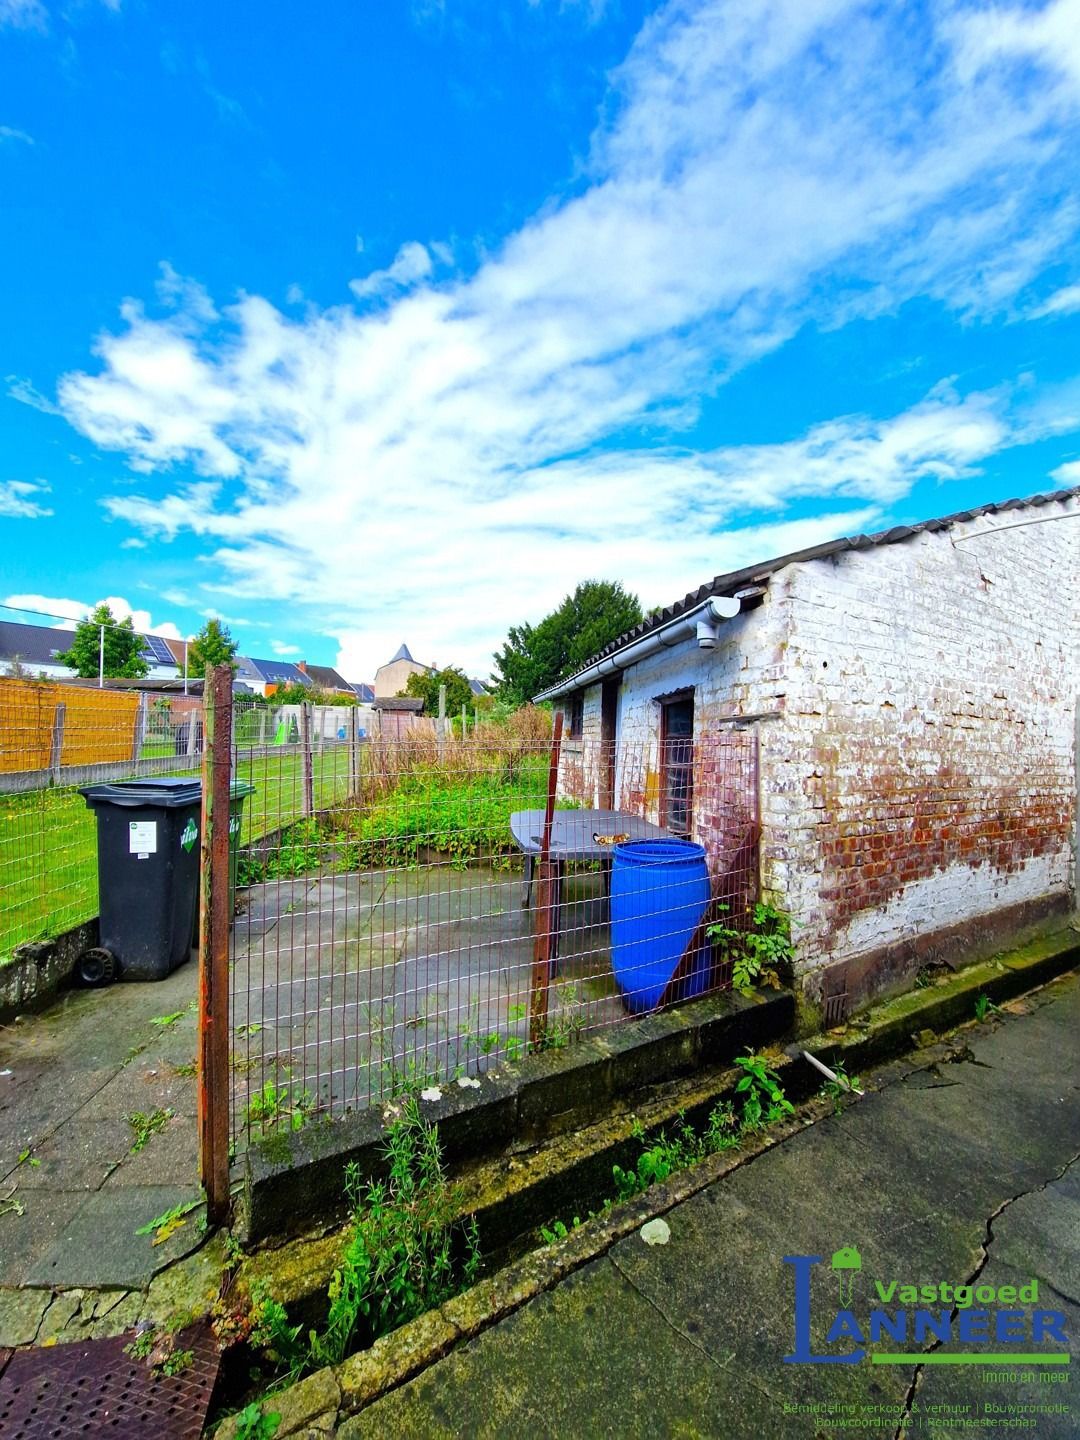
[{"x": 142, "y": 838}]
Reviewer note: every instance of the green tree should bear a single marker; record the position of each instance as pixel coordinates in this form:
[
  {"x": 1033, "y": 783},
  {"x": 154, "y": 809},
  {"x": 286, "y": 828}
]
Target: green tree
[
  {"x": 458, "y": 689},
  {"x": 213, "y": 645},
  {"x": 537, "y": 656},
  {"x": 123, "y": 648}
]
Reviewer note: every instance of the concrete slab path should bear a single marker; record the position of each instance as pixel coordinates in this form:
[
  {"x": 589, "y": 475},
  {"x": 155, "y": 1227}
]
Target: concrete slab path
[
  {"x": 75, "y": 1183},
  {"x": 944, "y": 1173}
]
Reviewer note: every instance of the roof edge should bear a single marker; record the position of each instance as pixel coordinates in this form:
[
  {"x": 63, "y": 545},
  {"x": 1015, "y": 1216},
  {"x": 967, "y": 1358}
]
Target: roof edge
[{"x": 763, "y": 570}]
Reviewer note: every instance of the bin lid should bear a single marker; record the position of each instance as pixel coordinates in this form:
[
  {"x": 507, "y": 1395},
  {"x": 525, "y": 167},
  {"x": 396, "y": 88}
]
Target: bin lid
[
  {"x": 239, "y": 788},
  {"x": 168, "y": 794}
]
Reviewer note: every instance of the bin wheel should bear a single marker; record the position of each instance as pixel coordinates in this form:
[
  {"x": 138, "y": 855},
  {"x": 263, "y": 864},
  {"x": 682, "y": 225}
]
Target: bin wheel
[{"x": 95, "y": 967}]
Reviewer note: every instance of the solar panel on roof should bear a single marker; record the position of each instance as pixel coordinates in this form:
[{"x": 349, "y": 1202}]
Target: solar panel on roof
[{"x": 154, "y": 648}]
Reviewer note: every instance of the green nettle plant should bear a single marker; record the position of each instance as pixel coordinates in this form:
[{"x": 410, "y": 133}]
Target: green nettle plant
[
  {"x": 759, "y": 954},
  {"x": 408, "y": 1253}
]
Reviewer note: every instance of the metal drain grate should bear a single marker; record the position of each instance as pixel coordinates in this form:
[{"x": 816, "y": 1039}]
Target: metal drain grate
[
  {"x": 95, "y": 1389},
  {"x": 836, "y": 1008}
]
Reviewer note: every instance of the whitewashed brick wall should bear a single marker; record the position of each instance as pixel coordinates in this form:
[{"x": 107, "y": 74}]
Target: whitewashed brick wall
[{"x": 922, "y": 774}]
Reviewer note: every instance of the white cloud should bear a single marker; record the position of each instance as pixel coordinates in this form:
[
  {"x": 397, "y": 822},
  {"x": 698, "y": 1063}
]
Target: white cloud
[
  {"x": 405, "y": 470},
  {"x": 294, "y": 295},
  {"x": 1067, "y": 474},
  {"x": 1065, "y": 301},
  {"x": 26, "y": 394},
  {"x": 279, "y": 648},
  {"x": 9, "y": 132},
  {"x": 213, "y": 614},
  {"x": 133, "y": 543},
  {"x": 18, "y": 499},
  {"x": 411, "y": 264},
  {"x": 68, "y": 612},
  {"x": 24, "y": 14},
  {"x": 33, "y": 14}
]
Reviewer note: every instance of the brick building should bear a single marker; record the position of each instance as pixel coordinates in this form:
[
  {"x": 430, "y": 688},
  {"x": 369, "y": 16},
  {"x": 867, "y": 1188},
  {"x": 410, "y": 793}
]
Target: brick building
[{"x": 915, "y": 700}]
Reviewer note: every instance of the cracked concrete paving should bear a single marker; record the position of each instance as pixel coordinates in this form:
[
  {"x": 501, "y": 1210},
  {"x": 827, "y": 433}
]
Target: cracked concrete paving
[
  {"x": 943, "y": 1171},
  {"x": 72, "y": 1192}
]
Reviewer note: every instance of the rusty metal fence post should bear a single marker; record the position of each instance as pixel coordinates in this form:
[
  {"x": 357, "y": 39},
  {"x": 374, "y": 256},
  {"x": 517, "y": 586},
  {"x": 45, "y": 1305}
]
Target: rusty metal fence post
[
  {"x": 547, "y": 881},
  {"x": 214, "y": 918}
]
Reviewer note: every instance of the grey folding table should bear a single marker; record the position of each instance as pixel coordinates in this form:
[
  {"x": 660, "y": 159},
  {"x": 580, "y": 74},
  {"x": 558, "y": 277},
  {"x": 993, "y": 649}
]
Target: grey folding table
[{"x": 573, "y": 837}]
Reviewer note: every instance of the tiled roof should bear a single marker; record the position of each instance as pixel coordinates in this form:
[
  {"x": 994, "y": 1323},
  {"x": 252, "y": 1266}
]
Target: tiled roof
[
  {"x": 328, "y": 678},
  {"x": 271, "y": 672},
  {"x": 410, "y": 703},
  {"x": 40, "y": 645},
  {"x": 33, "y": 644}
]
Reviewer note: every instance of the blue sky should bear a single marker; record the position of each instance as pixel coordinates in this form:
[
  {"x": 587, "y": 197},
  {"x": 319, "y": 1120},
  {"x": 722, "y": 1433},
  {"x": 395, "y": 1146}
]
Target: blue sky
[{"x": 369, "y": 322}]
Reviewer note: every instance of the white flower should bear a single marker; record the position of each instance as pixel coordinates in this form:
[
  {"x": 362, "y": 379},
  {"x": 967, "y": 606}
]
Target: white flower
[
  {"x": 431, "y": 1093},
  {"x": 468, "y": 1083},
  {"x": 655, "y": 1232}
]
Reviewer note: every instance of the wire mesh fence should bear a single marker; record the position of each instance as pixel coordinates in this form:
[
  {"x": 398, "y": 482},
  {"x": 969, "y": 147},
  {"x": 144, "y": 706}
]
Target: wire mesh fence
[
  {"x": 414, "y": 927},
  {"x": 56, "y": 738}
]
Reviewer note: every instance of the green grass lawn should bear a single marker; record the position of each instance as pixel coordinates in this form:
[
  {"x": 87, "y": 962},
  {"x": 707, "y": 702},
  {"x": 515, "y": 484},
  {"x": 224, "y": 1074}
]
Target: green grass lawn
[{"x": 48, "y": 841}]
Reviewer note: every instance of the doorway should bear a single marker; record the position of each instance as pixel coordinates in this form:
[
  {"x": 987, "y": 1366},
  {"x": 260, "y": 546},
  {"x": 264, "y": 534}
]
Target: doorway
[
  {"x": 609, "y": 712},
  {"x": 677, "y": 764}
]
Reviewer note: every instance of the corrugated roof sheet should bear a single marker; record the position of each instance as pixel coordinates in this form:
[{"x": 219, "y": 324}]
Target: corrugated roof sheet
[{"x": 735, "y": 580}]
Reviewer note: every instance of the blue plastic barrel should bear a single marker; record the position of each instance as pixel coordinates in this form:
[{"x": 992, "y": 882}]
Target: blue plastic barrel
[{"x": 659, "y": 891}]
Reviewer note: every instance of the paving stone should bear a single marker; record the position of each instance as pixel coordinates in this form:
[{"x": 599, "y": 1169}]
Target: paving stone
[
  {"x": 98, "y": 1246},
  {"x": 26, "y": 1238},
  {"x": 79, "y": 1155},
  {"x": 20, "y": 1315},
  {"x": 311, "y": 1405},
  {"x": 66, "y": 1304}
]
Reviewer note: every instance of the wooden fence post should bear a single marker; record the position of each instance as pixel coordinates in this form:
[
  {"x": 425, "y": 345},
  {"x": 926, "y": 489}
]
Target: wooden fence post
[
  {"x": 214, "y": 918},
  {"x": 442, "y": 722},
  {"x": 307, "y": 799}
]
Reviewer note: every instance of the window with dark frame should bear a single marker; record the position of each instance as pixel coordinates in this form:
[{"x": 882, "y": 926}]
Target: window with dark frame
[
  {"x": 677, "y": 763},
  {"x": 575, "y": 715}
]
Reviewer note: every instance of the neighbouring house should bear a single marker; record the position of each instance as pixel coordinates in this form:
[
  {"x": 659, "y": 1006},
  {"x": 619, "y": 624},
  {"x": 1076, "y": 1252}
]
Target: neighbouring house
[
  {"x": 35, "y": 649},
  {"x": 392, "y": 678},
  {"x": 266, "y": 677},
  {"x": 365, "y": 694},
  {"x": 915, "y": 698},
  {"x": 325, "y": 677},
  {"x": 478, "y": 687}
]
